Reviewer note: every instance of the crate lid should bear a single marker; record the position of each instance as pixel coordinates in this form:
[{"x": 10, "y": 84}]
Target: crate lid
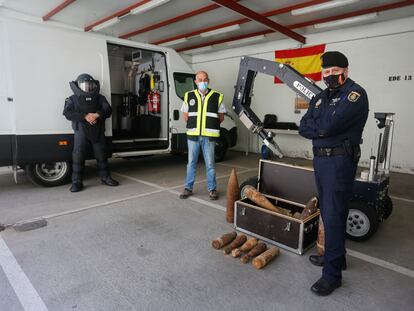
[{"x": 285, "y": 181}]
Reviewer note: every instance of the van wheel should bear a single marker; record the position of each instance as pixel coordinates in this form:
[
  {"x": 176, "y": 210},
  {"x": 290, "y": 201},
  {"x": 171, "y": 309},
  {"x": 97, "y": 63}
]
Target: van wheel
[
  {"x": 252, "y": 181},
  {"x": 362, "y": 221},
  {"x": 220, "y": 149},
  {"x": 49, "y": 174}
]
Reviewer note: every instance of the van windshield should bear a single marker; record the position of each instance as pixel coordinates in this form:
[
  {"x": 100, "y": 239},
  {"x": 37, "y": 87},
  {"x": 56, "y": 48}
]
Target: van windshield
[{"x": 183, "y": 82}]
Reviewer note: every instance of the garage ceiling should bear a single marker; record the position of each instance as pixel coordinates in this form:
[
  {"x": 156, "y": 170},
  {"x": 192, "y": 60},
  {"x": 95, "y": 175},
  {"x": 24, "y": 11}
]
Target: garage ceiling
[{"x": 197, "y": 25}]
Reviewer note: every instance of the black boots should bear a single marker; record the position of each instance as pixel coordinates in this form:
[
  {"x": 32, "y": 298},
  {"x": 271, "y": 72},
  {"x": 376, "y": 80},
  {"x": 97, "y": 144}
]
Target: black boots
[
  {"x": 109, "y": 181},
  {"x": 323, "y": 287},
  {"x": 76, "y": 187}
]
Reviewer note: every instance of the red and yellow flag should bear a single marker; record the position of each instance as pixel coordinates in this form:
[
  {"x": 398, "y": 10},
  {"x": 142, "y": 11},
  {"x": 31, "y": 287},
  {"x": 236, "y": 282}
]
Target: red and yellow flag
[{"x": 305, "y": 60}]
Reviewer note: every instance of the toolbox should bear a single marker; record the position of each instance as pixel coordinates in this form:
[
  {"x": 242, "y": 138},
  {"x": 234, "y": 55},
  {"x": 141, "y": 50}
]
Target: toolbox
[{"x": 286, "y": 186}]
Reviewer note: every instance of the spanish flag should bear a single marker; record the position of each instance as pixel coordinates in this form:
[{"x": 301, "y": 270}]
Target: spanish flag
[{"x": 306, "y": 60}]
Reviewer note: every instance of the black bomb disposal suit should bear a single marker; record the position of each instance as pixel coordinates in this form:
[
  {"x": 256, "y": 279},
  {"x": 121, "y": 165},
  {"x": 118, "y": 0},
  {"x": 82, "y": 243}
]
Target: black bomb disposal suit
[{"x": 76, "y": 108}]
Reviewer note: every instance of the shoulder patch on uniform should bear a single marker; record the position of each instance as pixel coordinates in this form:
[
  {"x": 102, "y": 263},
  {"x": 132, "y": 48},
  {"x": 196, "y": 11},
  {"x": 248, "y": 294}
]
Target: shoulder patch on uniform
[{"x": 353, "y": 96}]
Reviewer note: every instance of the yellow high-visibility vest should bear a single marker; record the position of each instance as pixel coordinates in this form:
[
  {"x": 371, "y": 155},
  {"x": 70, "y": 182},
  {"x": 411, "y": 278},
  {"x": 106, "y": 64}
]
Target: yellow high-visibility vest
[{"x": 203, "y": 117}]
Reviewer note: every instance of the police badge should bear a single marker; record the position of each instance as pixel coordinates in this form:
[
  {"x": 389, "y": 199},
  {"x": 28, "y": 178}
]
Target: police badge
[
  {"x": 353, "y": 96},
  {"x": 192, "y": 102}
]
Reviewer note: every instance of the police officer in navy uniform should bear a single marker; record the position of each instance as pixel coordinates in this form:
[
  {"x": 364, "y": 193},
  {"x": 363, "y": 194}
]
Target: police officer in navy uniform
[
  {"x": 87, "y": 109},
  {"x": 334, "y": 121}
]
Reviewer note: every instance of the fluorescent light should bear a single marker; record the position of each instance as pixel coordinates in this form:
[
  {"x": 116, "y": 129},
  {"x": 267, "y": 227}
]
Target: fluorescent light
[
  {"x": 246, "y": 40},
  {"x": 108, "y": 23},
  {"x": 220, "y": 30},
  {"x": 199, "y": 50},
  {"x": 174, "y": 42},
  {"x": 322, "y": 6},
  {"x": 346, "y": 21},
  {"x": 147, "y": 6}
]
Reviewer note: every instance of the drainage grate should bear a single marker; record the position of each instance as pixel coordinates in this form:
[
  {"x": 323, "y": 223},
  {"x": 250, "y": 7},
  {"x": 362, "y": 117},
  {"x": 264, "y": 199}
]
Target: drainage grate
[{"x": 30, "y": 225}]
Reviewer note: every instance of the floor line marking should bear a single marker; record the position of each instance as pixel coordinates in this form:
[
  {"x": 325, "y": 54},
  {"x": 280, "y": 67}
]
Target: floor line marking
[
  {"x": 361, "y": 256},
  {"x": 25, "y": 292},
  {"x": 381, "y": 263},
  {"x": 160, "y": 189},
  {"x": 236, "y": 166},
  {"x": 171, "y": 190},
  {"x": 367, "y": 258},
  {"x": 173, "y": 187},
  {"x": 401, "y": 199},
  {"x": 74, "y": 211},
  {"x": 218, "y": 177}
]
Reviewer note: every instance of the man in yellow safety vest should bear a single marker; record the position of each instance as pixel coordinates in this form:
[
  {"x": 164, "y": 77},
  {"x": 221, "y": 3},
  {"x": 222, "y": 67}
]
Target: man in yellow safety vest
[{"x": 203, "y": 110}]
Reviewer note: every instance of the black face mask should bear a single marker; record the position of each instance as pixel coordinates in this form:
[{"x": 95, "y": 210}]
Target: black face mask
[{"x": 332, "y": 81}]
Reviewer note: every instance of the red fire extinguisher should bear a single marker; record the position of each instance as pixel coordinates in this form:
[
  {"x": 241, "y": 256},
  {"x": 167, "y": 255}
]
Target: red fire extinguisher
[{"x": 154, "y": 102}]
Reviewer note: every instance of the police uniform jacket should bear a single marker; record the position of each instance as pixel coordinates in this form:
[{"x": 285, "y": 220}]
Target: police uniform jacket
[{"x": 335, "y": 116}]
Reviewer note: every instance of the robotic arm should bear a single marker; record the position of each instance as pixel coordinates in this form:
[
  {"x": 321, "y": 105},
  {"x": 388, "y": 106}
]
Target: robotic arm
[{"x": 249, "y": 67}]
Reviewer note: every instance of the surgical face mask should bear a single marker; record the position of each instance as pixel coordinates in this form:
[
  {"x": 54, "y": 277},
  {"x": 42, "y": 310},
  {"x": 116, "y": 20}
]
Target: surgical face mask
[
  {"x": 202, "y": 86},
  {"x": 333, "y": 81}
]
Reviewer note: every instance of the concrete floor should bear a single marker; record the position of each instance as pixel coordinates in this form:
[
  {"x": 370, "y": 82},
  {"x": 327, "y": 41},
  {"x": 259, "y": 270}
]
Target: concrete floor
[{"x": 139, "y": 247}]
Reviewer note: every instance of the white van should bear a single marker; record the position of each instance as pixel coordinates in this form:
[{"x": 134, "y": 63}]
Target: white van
[{"x": 37, "y": 62}]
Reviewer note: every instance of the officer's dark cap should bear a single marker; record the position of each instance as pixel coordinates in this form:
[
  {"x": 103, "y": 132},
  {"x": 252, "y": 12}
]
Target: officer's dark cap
[{"x": 334, "y": 59}]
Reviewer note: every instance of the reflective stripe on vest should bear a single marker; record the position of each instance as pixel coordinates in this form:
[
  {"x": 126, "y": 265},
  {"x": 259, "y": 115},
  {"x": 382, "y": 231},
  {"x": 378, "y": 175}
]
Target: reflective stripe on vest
[
  {"x": 203, "y": 119},
  {"x": 212, "y": 114}
]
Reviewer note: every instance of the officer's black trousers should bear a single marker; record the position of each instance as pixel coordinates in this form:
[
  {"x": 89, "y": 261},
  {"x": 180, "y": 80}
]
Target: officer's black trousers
[
  {"x": 80, "y": 148},
  {"x": 334, "y": 180}
]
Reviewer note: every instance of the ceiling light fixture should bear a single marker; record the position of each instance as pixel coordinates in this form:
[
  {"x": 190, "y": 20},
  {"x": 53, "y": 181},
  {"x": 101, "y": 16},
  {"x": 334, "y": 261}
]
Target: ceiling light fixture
[
  {"x": 199, "y": 50},
  {"x": 106, "y": 24},
  {"x": 220, "y": 31},
  {"x": 174, "y": 42},
  {"x": 148, "y": 6},
  {"x": 322, "y": 6},
  {"x": 346, "y": 21},
  {"x": 246, "y": 40}
]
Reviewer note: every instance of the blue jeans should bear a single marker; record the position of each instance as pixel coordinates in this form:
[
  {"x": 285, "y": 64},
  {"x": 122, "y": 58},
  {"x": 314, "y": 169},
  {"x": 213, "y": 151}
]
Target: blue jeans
[{"x": 207, "y": 147}]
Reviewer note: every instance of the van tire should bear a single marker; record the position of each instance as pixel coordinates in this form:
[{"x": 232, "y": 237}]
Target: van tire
[{"x": 49, "y": 174}]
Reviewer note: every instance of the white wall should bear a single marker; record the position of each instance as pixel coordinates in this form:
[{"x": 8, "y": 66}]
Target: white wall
[{"x": 375, "y": 52}]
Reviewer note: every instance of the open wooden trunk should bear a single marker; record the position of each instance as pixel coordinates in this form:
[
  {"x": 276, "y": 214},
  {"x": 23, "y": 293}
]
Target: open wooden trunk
[{"x": 286, "y": 186}]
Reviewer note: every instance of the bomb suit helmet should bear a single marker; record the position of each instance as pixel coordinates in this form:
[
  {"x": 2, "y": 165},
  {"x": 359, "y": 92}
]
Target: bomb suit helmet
[{"x": 87, "y": 83}]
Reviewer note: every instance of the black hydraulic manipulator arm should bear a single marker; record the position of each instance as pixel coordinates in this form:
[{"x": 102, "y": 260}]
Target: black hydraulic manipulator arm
[{"x": 249, "y": 67}]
